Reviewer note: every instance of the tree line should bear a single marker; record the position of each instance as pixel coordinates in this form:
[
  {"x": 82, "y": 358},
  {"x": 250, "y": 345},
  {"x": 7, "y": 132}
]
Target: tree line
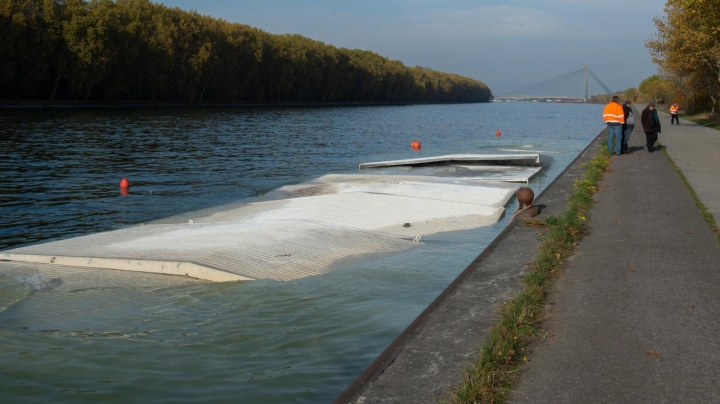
[
  {"x": 686, "y": 48},
  {"x": 103, "y": 50},
  {"x": 653, "y": 88}
]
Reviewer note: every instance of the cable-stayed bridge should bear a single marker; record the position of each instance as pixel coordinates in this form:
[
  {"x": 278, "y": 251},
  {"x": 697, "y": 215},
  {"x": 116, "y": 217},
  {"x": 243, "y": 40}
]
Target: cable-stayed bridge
[{"x": 566, "y": 88}]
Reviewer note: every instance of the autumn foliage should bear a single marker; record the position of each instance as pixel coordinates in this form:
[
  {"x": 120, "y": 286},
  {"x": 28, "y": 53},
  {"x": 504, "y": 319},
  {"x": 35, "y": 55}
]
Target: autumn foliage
[{"x": 687, "y": 50}]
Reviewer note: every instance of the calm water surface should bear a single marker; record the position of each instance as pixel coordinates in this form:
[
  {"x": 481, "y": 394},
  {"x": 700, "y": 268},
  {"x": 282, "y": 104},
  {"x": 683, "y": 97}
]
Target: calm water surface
[{"x": 255, "y": 342}]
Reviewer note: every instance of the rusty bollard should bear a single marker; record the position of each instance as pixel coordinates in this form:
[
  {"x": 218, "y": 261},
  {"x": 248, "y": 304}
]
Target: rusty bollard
[{"x": 526, "y": 209}]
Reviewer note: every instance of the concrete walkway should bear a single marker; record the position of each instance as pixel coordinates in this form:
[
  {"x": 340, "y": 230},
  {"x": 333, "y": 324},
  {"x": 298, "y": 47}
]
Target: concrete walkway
[{"x": 633, "y": 318}]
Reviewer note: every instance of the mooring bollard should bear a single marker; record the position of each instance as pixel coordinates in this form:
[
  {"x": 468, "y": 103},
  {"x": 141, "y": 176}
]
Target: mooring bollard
[{"x": 526, "y": 209}]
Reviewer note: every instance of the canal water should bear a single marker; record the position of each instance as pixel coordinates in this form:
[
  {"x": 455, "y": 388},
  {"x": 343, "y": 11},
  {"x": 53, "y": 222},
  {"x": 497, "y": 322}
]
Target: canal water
[{"x": 256, "y": 342}]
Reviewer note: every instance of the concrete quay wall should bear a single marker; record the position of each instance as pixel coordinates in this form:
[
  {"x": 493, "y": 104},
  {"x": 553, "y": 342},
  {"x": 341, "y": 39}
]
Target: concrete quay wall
[{"x": 426, "y": 361}]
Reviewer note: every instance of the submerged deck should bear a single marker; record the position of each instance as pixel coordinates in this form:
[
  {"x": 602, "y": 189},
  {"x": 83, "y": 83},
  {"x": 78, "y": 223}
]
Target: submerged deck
[
  {"x": 480, "y": 167},
  {"x": 485, "y": 159},
  {"x": 304, "y": 231}
]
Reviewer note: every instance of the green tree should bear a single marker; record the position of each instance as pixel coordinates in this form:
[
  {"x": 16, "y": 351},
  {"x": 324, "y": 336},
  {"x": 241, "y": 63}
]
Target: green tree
[
  {"x": 631, "y": 93},
  {"x": 25, "y": 48},
  {"x": 91, "y": 35},
  {"x": 140, "y": 50},
  {"x": 655, "y": 87}
]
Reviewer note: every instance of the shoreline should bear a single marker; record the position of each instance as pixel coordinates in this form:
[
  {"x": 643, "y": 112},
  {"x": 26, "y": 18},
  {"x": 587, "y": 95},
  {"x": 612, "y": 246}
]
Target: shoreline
[
  {"x": 425, "y": 362},
  {"x": 64, "y": 105}
]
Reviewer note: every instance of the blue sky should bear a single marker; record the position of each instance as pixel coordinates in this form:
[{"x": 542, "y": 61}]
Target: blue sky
[{"x": 505, "y": 44}]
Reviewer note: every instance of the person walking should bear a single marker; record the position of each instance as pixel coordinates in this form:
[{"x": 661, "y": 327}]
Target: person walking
[
  {"x": 614, "y": 117},
  {"x": 651, "y": 125},
  {"x": 628, "y": 126},
  {"x": 674, "y": 113}
]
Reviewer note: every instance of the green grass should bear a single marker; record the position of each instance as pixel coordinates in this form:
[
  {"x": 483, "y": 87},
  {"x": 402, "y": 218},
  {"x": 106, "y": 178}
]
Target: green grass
[
  {"x": 493, "y": 372},
  {"x": 706, "y": 215},
  {"x": 703, "y": 119}
]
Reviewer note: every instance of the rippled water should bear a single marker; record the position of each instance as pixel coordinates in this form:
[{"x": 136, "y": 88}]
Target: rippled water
[{"x": 259, "y": 342}]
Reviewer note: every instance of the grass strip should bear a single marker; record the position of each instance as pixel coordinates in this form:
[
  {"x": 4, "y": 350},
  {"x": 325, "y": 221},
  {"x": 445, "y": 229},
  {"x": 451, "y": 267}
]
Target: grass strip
[
  {"x": 707, "y": 216},
  {"x": 704, "y": 119},
  {"x": 492, "y": 374}
]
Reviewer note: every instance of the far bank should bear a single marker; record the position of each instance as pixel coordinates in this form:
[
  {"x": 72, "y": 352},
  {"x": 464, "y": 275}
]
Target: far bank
[{"x": 35, "y": 104}]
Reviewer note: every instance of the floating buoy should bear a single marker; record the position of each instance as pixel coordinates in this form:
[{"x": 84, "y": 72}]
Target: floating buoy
[
  {"x": 124, "y": 187},
  {"x": 415, "y": 145},
  {"x": 497, "y": 133}
]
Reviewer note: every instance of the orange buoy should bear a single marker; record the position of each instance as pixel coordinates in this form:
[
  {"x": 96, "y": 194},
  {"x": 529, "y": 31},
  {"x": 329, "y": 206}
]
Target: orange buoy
[
  {"x": 497, "y": 133},
  {"x": 124, "y": 183},
  {"x": 415, "y": 145}
]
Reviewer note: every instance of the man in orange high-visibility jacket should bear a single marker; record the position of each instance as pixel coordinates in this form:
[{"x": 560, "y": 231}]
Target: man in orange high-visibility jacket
[
  {"x": 614, "y": 117},
  {"x": 673, "y": 114}
]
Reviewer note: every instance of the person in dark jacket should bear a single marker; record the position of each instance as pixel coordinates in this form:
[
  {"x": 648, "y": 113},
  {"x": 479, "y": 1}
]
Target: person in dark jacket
[
  {"x": 628, "y": 126},
  {"x": 651, "y": 125}
]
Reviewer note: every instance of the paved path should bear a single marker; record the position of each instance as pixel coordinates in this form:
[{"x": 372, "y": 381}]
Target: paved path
[
  {"x": 696, "y": 150},
  {"x": 633, "y": 318}
]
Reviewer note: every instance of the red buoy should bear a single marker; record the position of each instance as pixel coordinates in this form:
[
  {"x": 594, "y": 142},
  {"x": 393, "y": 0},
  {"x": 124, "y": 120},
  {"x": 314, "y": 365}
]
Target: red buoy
[
  {"x": 124, "y": 183},
  {"x": 415, "y": 145},
  {"x": 497, "y": 133}
]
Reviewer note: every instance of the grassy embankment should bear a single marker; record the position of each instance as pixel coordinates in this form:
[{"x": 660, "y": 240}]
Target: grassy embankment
[
  {"x": 704, "y": 119},
  {"x": 519, "y": 321}
]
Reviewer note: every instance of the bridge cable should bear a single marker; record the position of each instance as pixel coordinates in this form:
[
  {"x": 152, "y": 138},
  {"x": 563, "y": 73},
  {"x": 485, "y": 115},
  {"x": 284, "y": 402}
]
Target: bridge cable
[
  {"x": 571, "y": 87},
  {"x": 556, "y": 87},
  {"x": 550, "y": 88},
  {"x": 563, "y": 89},
  {"x": 544, "y": 85},
  {"x": 600, "y": 82},
  {"x": 547, "y": 86}
]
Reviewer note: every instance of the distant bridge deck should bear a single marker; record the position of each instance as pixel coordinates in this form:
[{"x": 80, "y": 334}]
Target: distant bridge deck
[{"x": 539, "y": 98}]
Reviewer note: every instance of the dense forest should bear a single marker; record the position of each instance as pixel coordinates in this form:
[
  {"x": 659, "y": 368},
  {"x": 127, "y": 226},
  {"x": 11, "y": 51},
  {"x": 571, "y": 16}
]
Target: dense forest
[{"x": 102, "y": 50}]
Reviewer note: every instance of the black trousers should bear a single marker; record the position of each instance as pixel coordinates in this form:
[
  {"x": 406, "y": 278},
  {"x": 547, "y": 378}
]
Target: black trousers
[
  {"x": 651, "y": 137},
  {"x": 674, "y": 118}
]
